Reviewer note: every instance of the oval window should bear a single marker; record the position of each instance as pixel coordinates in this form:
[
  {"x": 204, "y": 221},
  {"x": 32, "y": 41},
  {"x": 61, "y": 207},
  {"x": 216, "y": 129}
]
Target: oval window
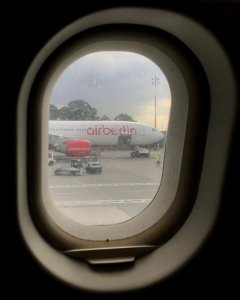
[
  {"x": 108, "y": 121},
  {"x": 178, "y": 209}
]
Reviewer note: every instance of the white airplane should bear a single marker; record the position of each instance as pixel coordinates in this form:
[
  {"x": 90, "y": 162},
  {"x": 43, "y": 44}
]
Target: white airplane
[{"x": 75, "y": 138}]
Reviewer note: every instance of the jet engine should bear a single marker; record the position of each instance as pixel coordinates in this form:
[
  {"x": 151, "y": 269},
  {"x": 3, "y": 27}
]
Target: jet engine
[{"x": 74, "y": 148}]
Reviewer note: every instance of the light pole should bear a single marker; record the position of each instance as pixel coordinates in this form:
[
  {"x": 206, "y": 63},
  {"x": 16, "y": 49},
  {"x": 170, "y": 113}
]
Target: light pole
[{"x": 155, "y": 81}]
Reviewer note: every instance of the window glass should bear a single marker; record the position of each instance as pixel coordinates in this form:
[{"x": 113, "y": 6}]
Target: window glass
[{"x": 108, "y": 122}]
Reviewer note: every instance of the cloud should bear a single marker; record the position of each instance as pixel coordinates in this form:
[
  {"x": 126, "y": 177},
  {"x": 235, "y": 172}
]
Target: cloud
[
  {"x": 146, "y": 113},
  {"x": 113, "y": 82}
]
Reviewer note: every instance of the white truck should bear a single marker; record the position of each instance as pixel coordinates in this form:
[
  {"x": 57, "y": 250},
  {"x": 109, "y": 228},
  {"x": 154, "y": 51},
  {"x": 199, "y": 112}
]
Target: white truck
[
  {"x": 79, "y": 166},
  {"x": 140, "y": 152},
  {"x": 51, "y": 160}
]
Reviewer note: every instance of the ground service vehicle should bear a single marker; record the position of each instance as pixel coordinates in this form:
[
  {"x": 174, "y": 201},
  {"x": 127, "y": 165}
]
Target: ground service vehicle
[
  {"x": 51, "y": 160},
  {"x": 140, "y": 152},
  {"x": 94, "y": 167},
  {"x": 76, "y": 168}
]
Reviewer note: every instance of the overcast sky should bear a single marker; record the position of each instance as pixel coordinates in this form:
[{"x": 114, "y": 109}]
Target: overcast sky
[{"x": 114, "y": 83}]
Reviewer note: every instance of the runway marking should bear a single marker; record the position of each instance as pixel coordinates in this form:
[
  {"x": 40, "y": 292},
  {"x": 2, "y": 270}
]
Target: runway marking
[
  {"x": 75, "y": 203},
  {"x": 104, "y": 185}
]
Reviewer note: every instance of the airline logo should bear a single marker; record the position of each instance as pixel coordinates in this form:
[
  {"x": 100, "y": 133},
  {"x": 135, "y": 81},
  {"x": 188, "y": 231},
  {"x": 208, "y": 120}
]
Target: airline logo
[{"x": 103, "y": 130}]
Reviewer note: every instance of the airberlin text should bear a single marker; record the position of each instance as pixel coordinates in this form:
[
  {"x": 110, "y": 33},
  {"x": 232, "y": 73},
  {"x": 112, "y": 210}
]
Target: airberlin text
[{"x": 103, "y": 130}]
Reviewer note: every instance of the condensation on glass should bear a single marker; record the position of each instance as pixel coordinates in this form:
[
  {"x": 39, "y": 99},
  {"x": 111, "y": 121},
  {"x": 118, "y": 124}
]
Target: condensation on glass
[{"x": 108, "y": 122}]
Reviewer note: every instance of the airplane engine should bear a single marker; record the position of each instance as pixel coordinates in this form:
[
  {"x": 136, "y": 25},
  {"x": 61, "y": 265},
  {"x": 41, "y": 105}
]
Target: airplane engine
[{"x": 75, "y": 148}]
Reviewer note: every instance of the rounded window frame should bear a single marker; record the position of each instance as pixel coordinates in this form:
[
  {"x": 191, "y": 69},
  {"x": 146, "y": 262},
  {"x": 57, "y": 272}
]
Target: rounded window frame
[
  {"x": 168, "y": 255},
  {"x": 159, "y": 47}
]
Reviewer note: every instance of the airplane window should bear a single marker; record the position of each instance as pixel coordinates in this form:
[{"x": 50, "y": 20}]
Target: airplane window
[
  {"x": 108, "y": 163},
  {"x": 142, "y": 218},
  {"x": 147, "y": 219}
]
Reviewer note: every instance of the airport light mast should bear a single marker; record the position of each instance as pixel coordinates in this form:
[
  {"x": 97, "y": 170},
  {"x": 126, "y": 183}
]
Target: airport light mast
[{"x": 155, "y": 81}]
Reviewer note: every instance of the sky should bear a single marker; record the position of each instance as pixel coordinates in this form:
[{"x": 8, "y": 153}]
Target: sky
[{"x": 116, "y": 82}]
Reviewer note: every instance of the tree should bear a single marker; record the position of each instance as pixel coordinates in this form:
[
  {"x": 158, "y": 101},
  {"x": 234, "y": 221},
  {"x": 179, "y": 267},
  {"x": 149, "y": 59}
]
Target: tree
[
  {"x": 80, "y": 110},
  {"x": 124, "y": 117},
  {"x": 53, "y": 112},
  {"x": 63, "y": 113},
  {"x": 104, "y": 118}
]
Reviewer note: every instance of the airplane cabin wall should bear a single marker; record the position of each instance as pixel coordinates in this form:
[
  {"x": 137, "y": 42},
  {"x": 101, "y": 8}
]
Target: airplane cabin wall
[{"x": 26, "y": 27}]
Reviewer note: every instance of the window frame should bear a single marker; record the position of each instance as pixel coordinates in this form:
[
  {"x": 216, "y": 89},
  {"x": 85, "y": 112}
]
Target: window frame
[
  {"x": 196, "y": 227},
  {"x": 174, "y": 60}
]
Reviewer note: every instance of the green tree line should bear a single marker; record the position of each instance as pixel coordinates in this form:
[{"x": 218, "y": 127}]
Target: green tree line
[{"x": 81, "y": 110}]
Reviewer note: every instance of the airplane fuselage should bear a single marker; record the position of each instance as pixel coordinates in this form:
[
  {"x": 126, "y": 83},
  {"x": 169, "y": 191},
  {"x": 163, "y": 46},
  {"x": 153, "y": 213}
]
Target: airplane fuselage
[{"x": 106, "y": 132}]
